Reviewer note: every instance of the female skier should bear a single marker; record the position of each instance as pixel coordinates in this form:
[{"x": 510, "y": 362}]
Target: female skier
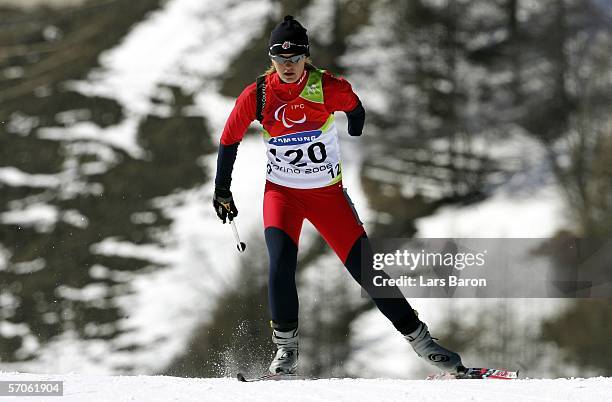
[{"x": 295, "y": 102}]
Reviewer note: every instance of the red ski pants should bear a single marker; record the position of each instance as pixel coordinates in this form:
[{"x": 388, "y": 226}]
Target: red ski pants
[
  {"x": 329, "y": 209},
  {"x": 331, "y": 212}
]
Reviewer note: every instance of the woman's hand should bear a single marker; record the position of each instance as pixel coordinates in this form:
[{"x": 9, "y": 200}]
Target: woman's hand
[{"x": 223, "y": 202}]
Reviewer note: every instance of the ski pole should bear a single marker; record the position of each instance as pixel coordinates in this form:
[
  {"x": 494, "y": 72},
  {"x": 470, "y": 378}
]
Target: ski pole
[{"x": 240, "y": 245}]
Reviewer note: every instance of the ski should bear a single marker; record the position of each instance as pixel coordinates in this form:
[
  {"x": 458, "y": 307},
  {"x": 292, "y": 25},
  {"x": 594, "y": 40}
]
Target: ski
[
  {"x": 271, "y": 377},
  {"x": 474, "y": 373}
]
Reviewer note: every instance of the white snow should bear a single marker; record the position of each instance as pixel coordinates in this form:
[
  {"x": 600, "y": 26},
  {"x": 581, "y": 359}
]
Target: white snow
[
  {"x": 40, "y": 216},
  {"x": 379, "y": 350},
  {"x": 80, "y": 388},
  {"x": 14, "y": 177},
  {"x": 503, "y": 215},
  {"x": 318, "y": 17},
  {"x": 113, "y": 247},
  {"x": 121, "y": 136}
]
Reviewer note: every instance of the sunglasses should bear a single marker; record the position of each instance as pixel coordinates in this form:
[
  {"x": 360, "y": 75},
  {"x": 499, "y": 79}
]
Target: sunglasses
[{"x": 285, "y": 60}]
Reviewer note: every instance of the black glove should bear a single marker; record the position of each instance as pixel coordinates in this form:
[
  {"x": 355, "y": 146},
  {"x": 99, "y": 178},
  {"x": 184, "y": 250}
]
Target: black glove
[
  {"x": 356, "y": 120},
  {"x": 223, "y": 202}
]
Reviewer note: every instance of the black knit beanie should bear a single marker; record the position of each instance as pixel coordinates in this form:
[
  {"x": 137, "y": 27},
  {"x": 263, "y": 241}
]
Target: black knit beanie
[{"x": 289, "y": 37}]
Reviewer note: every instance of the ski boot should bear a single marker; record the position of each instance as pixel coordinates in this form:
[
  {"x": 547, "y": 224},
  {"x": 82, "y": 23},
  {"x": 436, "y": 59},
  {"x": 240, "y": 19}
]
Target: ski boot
[
  {"x": 286, "y": 358},
  {"x": 427, "y": 349}
]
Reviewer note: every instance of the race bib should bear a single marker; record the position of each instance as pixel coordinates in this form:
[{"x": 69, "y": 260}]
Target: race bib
[{"x": 306, "y": 159}]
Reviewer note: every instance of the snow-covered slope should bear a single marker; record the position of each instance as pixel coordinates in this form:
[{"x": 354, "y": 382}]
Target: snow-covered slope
[
  {"x": 167, "y": 305},
  {"x": 185, "y": 43},
  {"x": 78, "y": 388}
]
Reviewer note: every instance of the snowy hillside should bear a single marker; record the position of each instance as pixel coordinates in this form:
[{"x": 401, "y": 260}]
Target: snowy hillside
[
  {"x": 112, "y": 261},
  {"x": 78, "y": 388}
]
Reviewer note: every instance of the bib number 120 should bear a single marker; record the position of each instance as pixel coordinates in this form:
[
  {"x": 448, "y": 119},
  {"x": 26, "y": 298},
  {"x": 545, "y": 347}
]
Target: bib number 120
[{"x": 316, "y": 153}]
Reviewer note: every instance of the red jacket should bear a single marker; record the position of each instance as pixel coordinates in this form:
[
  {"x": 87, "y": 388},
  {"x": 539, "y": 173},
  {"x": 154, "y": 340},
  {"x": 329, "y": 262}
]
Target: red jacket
[{"x": 339, "y": 96}]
